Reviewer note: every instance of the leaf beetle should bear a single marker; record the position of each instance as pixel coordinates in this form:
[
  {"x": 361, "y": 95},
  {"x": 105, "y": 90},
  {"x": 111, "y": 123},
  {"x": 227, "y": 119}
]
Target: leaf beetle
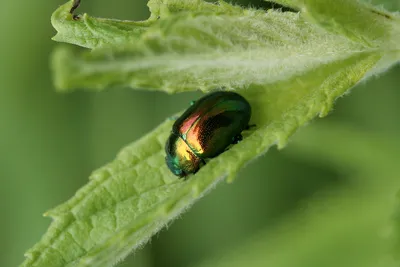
[{"x": 205, "y": 130}]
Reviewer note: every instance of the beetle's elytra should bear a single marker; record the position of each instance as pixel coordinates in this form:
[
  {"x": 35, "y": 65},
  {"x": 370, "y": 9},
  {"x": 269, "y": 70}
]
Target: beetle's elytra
[{"x": 205, "y": 130}]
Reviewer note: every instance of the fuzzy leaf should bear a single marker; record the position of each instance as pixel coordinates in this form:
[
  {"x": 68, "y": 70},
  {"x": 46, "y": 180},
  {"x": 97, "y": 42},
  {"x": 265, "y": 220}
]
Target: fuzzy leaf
[
  {"x": 356, "y": 20},
  {"x": 289, "y": 69},
  {"x": 212, "y": 47},
  {"x": 93, "y": 33},
  {"x": 134, "y": 196}
]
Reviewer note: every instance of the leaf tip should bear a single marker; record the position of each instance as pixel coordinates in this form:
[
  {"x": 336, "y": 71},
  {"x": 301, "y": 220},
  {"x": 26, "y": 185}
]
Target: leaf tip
[
  {"x": 56, "y": 212},
  {"x": 61, "y": 14},
  {"x": 282, "y": 141},
  {"x": 231, "y": 177},
  {"x": 325, "y": 110},
  {"x": 49, "y": 214},
  {"x": 56, "y": 38}
]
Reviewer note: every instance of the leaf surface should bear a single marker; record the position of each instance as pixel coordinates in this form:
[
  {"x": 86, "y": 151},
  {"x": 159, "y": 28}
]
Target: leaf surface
[{"x": 288, "y": 67}]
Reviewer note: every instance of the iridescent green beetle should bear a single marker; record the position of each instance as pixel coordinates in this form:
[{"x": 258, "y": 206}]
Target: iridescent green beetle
[{"x": 205, "y": 130}]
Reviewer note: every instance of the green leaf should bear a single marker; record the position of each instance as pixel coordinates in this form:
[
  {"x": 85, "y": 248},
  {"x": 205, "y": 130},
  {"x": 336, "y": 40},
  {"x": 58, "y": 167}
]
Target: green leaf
[
  {"x": 356, "y": 20},
  {"x": 134, "y": 196},
  {"x": 92, "y": 32},
  {"x": 289, "y": 69},
  {"x": 217, "y": 46},
  {"x": 391, "y": 5}
]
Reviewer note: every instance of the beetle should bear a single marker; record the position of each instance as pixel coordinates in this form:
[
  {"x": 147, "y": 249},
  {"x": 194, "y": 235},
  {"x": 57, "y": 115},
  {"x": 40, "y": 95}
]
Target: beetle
[{"x": 205, "y": 130}]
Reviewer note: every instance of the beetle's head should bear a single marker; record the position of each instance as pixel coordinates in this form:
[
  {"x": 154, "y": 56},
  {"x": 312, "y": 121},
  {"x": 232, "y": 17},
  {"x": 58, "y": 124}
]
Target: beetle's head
[
  {"x": 180, "y": 158},
  {"x": 173, "y": 165}
]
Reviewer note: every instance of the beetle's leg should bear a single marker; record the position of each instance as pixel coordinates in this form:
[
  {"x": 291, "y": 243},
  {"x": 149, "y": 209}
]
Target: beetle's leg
[
  {"x": 237, "y": 139},
  {"x": 75, "y": 5},
  {"x": 183, "y": 176},
  {"x": 203, "y": 161},
  {"x": 248, "y": 127}
]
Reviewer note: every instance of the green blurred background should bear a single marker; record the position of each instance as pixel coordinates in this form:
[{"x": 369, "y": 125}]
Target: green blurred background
[{"x": 51, "y": 142}]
